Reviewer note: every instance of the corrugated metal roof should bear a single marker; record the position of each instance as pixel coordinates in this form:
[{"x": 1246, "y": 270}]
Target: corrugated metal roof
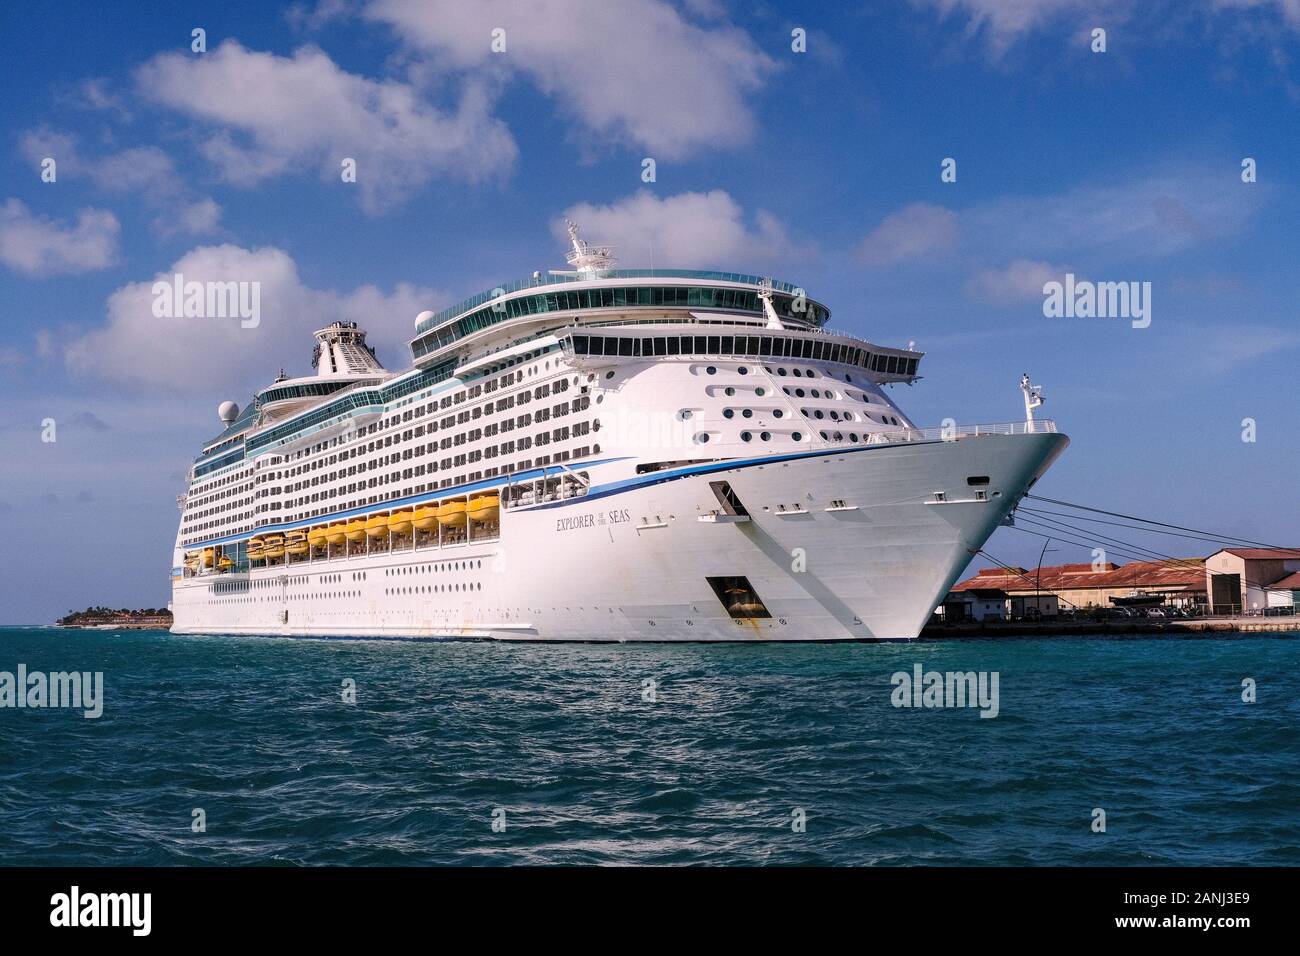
[
  {"x": 1181, "y": 572},
  {"x": 1263, "y": 554}
]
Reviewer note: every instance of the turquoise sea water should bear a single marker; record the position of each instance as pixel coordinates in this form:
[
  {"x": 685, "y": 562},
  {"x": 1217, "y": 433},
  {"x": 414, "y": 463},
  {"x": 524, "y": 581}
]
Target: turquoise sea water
[{"x": 738, "y": 742}]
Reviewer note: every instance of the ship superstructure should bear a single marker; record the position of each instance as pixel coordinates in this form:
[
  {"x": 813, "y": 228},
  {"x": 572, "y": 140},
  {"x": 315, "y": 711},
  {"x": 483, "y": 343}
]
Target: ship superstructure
[{"x": 595, "y": 454}]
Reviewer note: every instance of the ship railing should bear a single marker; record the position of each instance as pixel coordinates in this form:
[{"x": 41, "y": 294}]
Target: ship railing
[{"x": 1043, "y": 426}]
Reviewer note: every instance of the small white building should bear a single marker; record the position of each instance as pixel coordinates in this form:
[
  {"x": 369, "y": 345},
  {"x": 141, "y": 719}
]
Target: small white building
[{"x": 975, "y": 604}]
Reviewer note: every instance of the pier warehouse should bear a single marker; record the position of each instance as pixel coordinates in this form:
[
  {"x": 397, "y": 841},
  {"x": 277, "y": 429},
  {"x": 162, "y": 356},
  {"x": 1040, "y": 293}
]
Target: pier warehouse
[
  {"x": 1181, "y": 582},
  {"x": 1253, "y": 579}
]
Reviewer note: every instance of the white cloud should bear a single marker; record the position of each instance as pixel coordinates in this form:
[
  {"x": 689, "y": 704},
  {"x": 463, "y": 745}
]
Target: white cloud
[
  {"x": 1288, "y": 10},
  {"x": 1142, "y": 216},
  {"x": 1002, "y": 23},
  {"x": 40, "y": 246},
  {"x": 188, "y": 355},
  {"x": 914, "y": 231},
  {"x": 145, "y": 170},
  {"x": 633, "y": 70},
  {"x": 1019, "y": 281},
  {"x": 689, "y": 229},
  {"x": 273, "y": 114}
]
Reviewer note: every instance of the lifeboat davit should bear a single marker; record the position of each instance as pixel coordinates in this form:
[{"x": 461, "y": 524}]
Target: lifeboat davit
[
  {"x": 487, "y": 508},
  {"x": 355, "y": 530},
  {"x": 377, "y": 526},
  {"x": 452, "y": 514},
  {"x": 426, "y": 519},
  {"x": 399, "y": 522}
]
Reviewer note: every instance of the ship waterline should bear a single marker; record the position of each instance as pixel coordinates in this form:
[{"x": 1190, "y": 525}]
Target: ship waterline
[{"x": 602, "y": 456}]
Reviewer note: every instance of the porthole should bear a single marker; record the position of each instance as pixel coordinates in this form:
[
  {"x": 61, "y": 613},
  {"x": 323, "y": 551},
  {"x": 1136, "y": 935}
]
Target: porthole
[
  {"x": 853, "y": 436},
  {"x": 728, "y": 412},
  {"x": 810, "y": 373},
  {"x": 777, "y": 413},
  {"x": 816, "y": 394},
  {"x": 712, "y": 370},
  {"x": 824, "y": 438},
  {"x": 684, "y": 414},
  {"x": 748, "y": 413},
  {"x": 745, "y": 436},
  {"x": 766, "y": 436},
  {"x": 609, "y": 374},
  {"x": 797, "y": 436},
  {"x": 799, "y": 392},
  {"x": 780, "y": 371},
  {"x": 702, "y": 438},
  {"x": 797, "y": 372},
  {"x": 743, "y": 370},
  {"x": 760, "y": 391},
  {"x": 818, "y": 413},
  {"x": 728, "y": 391}
]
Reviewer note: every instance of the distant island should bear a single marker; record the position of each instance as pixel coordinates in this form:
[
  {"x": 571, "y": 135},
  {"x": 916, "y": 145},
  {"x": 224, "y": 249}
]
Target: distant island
[{"x": 150, "y": 618}]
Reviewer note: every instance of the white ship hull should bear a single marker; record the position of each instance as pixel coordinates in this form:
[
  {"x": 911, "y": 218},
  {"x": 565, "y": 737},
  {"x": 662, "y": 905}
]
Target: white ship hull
[{"x": 854, "y": 544}]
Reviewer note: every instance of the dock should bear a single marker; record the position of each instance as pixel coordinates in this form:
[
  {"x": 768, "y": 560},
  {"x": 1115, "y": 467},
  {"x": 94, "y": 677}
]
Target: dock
[{"x": 1048, "y": 628}]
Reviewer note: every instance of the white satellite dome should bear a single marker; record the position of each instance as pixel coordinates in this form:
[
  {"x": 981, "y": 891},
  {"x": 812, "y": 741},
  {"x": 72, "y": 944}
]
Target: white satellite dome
[
  {"x": 423, "y": 316},
  {"x": 227, "y": 412}
]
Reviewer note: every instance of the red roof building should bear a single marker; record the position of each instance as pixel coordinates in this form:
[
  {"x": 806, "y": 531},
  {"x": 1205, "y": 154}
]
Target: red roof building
[{"x": 1179, "y": 580}]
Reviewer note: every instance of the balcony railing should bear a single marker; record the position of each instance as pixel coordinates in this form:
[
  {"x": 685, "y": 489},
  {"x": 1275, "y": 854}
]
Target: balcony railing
[{"x": 954, "y": 432}]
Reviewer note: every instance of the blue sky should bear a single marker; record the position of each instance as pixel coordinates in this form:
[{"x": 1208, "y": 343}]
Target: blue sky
[{"x": 821, "y": 168}]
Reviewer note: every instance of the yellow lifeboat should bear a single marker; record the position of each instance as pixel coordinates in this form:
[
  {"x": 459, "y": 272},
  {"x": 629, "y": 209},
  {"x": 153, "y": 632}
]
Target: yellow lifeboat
[
  {"x": 255, "y": 554},
  {"x": 426, "y": 518},
  {"x": 336, "y": 534},
  {"x": 209, "y": 554},
  {"x": 225, "y": 564},
  {"x": 273, "y": 546},
  {"x": 399, "y": 522},
  {"x": 295, "y": 542},
  {"x": 452, "y": 514},
  {"x": 355, "y": 530},
  {"x": 316, "y": 537},
  {"x": 254, "y": 543},
  {"x": 487, "y": 508},
  {"x": 377, "y": 526}
]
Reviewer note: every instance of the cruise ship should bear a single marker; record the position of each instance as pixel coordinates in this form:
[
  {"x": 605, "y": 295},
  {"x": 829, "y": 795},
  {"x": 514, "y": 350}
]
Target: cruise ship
[{"x": 596, "y": 454}]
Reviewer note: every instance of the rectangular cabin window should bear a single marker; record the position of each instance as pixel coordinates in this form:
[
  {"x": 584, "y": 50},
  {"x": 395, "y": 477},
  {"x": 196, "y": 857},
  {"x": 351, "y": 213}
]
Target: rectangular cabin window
[
  {"x": 765, "y": 347},
  {"x": 674, "y": 346},
  {"x": 701, "y": 345},
  {"x": 580, "y": 345},
  {"x": 728, "y": 346},
  {"x": 625, "y": 347},
  {"x": 715, "y": 345},
  {"x": 647, "y": 347}
]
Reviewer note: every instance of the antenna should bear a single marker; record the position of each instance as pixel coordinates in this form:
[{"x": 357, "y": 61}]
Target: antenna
[
  {"x": 1033, "y": 399},
  {"x": 765, "y": 294},
  {"x": 585, "y": 257}
]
